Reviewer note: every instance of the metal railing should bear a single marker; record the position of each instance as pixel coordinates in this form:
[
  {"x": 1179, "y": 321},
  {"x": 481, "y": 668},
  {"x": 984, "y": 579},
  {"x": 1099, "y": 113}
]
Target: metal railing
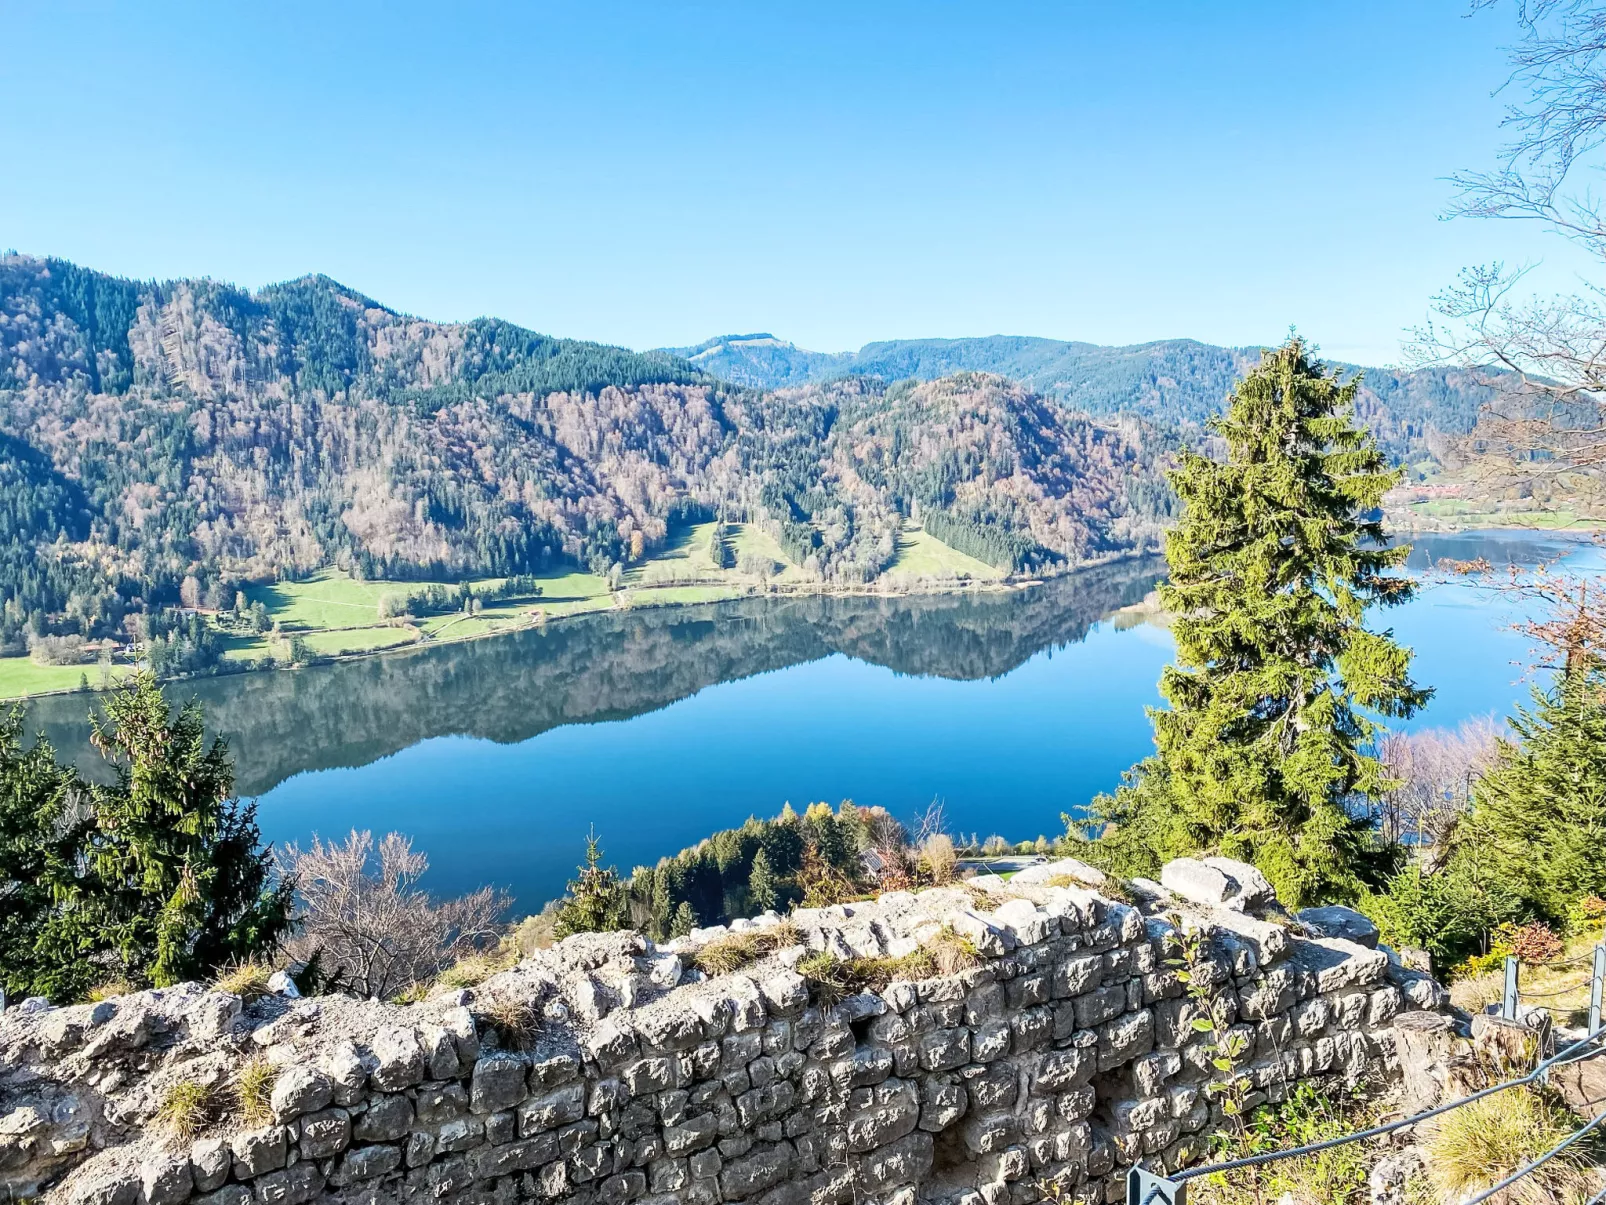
[
  {"x": 1513, "y": 994},
  {"x": 1145, "y": 1187}
]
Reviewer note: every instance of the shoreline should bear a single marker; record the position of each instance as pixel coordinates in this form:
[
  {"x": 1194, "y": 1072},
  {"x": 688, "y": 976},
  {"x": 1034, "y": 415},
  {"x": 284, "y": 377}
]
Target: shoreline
[
  {"x": 624, "y": 600},
  {"x": 1403, "y": 524}
]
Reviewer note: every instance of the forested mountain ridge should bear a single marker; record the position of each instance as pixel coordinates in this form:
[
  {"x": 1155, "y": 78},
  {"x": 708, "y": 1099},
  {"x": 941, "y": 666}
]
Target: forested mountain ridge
[
  {"x": 168, "y": 441},
  {"x": 1174, "y": 382}
]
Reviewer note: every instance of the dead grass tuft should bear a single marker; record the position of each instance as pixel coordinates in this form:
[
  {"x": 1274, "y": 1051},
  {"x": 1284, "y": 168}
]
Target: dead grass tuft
[
  {"x": 1479, "y": 1144},
  {"x": 517, "y": 1022},
  {"x": 830, "y": 978},
  {"x": 247, "y": 980},
  {"x": 253, "y": 1092},
  {"x": 187, "y": 1108},
  {"x": 732, "y": 952},
  {"x": 108, "y": 990},
  {"x": 479, "y": 966}
]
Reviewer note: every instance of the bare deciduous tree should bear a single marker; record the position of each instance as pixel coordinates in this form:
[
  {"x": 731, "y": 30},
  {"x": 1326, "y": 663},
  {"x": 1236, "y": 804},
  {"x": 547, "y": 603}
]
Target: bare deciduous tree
[
  {"x": 375, "y": 931},
  {"x": 1544, "y": 359},
  {"x": 1435, "y": 768}
]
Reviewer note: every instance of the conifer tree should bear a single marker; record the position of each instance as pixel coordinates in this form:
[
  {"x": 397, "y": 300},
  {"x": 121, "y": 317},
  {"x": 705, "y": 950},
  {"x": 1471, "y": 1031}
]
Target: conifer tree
[
  {"x": 172, "y": 876},
  {"x": 684, "y": 921},
  {"x": 36, "y": 795},
  {"x": 718, "y": 551},
  {"x": 1262, "y": 751},
  {"x": 597, "y": 901},
  {"x": 761, "y": 886},
  {"x": 1535, "y": 838}
]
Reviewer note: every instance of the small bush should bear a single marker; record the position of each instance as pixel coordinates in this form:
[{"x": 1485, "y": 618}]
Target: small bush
[
  {"x": 413, "y": 993},
  {"x": 247, "y": 980},
  {"x": 1333, "y": 1177},
  {"x": 1535, "y": 943},
  {"x": 186, "y": 1109},
  {"x": 253, "y": 1092},
  {"x": 938, "y": 861},
  {"x": 1478, "y": 1145},
  {"x": 1587, "y": 914}
]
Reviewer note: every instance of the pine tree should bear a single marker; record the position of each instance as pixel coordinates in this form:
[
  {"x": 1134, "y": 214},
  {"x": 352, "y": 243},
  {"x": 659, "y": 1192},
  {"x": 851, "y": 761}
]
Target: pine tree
[
  {"x": 35, "y": 838},
  {"x": 169, "y": 873},
  {"x": 1536, "y": 833},
  {"x": 761, "y": 886},
  {"x": 597, "y": 901},
  {"x": 1261, "y": 754},
  {"x": 718, "y": 551},
  {"x": 685, "y": 920}
]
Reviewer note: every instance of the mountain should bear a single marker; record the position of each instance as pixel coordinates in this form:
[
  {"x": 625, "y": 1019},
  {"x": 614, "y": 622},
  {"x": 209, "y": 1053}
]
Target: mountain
[
  {"x": 763, "y": 361},
  {"x": 1174, "y": 382},
  {"x": 165, "y": 442}
]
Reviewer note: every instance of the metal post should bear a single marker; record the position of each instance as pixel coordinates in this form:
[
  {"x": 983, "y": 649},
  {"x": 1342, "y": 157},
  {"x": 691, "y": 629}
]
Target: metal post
[
  {"x": 1597, "y": 982},
  {"x": 1151, "y": 1188},
  {"x": 1508, "y": 1003}
]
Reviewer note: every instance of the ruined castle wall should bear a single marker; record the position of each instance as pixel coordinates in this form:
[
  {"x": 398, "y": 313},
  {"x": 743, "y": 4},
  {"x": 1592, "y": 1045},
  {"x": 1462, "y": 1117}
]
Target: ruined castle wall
[{"x": 1069, "y": 1052}]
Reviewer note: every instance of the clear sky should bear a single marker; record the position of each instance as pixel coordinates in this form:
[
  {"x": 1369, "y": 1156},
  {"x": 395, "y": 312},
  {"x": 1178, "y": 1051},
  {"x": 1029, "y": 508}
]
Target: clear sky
[{"x": 656, "y": 173}]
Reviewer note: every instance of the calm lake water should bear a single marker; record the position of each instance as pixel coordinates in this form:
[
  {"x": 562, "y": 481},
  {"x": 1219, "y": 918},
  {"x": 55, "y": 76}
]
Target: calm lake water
[{"x": 661, "y": 726}]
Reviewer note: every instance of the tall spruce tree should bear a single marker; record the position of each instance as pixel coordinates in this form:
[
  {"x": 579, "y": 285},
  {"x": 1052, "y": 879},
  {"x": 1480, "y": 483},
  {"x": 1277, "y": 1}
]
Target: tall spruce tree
[
  {"x": 172, "y": 877},
  {"x": 1262, "y": 751}
]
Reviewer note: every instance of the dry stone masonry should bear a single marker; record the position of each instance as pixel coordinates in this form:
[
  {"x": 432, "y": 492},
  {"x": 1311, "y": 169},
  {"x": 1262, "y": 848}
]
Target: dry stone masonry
[{"x": 608, "y": 1071}]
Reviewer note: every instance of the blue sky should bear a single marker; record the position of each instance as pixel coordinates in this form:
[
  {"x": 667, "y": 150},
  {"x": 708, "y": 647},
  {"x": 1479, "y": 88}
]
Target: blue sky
[{"x": 657, "y": 173}]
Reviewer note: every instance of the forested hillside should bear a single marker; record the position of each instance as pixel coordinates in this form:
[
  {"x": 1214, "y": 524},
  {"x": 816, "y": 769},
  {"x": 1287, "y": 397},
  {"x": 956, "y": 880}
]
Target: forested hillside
[
  {"x": 1175, "y": 382},
  {"x": 166, "y": 442}
]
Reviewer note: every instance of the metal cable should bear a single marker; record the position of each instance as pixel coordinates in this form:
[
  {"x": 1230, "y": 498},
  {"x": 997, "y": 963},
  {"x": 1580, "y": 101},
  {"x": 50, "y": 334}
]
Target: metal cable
[
  {"x": 1561, "y": 991},
  {"x": 1576, "y": 961},
  {"x": 1569, "y": 1055},
  {"x": 1536, "y": 1164}
]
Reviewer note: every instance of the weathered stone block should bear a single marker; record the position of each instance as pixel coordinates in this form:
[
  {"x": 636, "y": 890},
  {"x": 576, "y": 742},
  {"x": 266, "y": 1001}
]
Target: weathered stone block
[
  {"x": 398, "y": 1059},
  {"x": 325, "y": 1133},
  {"x": 298, "y": 1090}
]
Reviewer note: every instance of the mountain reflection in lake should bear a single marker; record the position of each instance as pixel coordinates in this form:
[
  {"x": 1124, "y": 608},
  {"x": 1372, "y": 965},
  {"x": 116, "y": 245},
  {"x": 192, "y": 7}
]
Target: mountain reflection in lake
[{"x": 661, "y": 725}]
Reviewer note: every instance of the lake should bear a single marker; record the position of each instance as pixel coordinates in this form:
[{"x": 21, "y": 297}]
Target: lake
[{"x": 659, "y": 726}]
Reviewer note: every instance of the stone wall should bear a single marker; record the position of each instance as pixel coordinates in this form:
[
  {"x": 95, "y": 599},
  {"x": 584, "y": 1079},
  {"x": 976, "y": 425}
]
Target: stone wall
[{"x": 1066, "y": 1054}]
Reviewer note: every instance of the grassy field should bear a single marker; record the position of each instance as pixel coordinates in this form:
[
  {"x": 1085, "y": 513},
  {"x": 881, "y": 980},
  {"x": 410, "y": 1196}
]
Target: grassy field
[
  {"x": 1468, "y": 514},
  {"x": 20, "y": 676},
  {"x": 667, "y": 595},
  {"x": 750, "y": 541},
  {"x": 359, "y": 640},
  {"x": 335, "y": 614},
  {"x": 921, "y": 554},
  {"x": 327, "y": 599}
]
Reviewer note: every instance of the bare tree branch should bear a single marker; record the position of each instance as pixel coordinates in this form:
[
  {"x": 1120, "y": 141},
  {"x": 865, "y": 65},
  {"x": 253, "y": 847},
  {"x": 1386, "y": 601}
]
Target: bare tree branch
[{"x": 376, "y": 932}]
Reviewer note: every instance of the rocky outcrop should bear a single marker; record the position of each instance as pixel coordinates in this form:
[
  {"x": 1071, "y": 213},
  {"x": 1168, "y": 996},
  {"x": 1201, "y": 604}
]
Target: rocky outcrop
[{"x": 608, "y": 1070}]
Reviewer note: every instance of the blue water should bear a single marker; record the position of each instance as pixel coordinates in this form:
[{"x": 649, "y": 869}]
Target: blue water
[{"x": 1005, "y": 754}]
